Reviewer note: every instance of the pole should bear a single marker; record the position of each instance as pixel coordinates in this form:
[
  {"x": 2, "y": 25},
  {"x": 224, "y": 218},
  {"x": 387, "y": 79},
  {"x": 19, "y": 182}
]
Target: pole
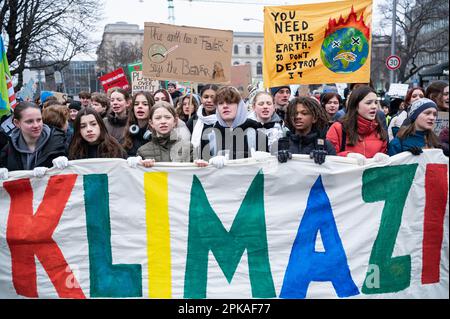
[{"x": 393, "y": 34}]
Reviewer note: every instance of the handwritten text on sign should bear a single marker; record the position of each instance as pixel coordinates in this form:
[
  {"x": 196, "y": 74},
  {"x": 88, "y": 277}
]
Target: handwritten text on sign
[{"x": 186, "y": 53}]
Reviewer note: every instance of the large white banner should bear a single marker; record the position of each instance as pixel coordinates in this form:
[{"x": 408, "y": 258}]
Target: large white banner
[{"x": 100, "y": 229}]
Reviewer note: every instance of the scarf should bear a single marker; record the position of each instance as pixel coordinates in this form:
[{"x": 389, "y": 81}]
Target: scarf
[{"x": 198, "y": 128}]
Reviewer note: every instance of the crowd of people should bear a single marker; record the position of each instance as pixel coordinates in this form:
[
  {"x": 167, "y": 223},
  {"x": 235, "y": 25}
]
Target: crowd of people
[{"x": 218, "y": 125}]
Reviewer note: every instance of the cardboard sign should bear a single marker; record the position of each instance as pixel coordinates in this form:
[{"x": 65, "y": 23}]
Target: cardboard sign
[
  {"x": 141, "y": 83},
  {"x": 441, "y": 122},
  {"x": 241, "y": 78},
  {"x": 317, "y": 43},
  {"x": 181, "y": 53},
  {"x": 116, "y": 78}
]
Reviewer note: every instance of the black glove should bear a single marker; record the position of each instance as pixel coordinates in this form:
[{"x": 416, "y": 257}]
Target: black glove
[
  {"x": 283, "y": 156},
  {"x": 319, "y": 156},
  {"x": 415, "y": 150}
]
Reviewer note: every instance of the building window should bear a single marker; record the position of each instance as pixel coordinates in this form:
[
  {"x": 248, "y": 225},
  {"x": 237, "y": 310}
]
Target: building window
[
  {"x": 236, "y": 49},
  {"x": 259, "y": 50},
  {"x": 259, "y": 68},
  {"x": 247, "y": 49},
  {"x": 236, "y": 63},
  {"x": 248, "y": 62}
]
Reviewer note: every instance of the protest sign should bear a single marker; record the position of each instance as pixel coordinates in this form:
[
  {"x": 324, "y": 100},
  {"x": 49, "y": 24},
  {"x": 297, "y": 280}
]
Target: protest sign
[
  {"x": 182, "y": 53},
  {"x": 116, "y": 78},
  {"x": 317, "y": 43},
  {"x": 398, "y": 90},
  {"x": 441, "y": 122},
  {"x": 101, "y": 229},
  {"x": 141, "y": 83},
  {"x": 241, "y": 78}
]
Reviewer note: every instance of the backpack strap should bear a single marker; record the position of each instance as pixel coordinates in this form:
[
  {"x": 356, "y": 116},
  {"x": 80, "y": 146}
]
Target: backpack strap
[{"x": 343, "y": 140}]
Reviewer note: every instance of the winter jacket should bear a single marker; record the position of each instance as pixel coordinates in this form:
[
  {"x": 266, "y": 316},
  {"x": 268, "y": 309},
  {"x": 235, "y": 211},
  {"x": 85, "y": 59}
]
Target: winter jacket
[
  {"x": 443, "y": 138},
  {"x": 139, "y": 139},
  {"x": 238, "y": 145},
  {"x": 395, "y": 124},
  {"x": 368, "y": 144},
  {"x": 304, "y": 144},
  {"x": 116, "y": 125},
  {"x": 398, "y": 145},
  {"x": 170, "y": 148},
  {"x": 16, "y": 155},
  {"x": 273, "y": 130}
]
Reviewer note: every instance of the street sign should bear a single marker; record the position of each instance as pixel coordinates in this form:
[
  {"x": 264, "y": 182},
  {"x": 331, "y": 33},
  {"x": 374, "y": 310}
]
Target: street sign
[{"x": 393, "y": 62}]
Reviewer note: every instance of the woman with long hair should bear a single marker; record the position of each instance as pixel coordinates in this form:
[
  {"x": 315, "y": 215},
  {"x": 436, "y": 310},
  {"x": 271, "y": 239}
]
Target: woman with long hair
[{"x": 116, "y": 119}]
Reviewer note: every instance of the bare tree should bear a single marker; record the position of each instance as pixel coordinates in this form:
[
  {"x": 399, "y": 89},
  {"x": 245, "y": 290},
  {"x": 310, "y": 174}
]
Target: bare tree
[
  {"x": 420, "y": 30},
  {"x": 42, "y": 33},
  {"x": 111, "y": 55}
]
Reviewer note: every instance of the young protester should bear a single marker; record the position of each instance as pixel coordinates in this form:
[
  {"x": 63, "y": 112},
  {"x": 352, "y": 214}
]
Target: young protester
[
  {"x": 434, "y": 90},
  {"x": 443, "y": 100},
  {"x": 307, "y": 122},
  {"x": 174, "y": 93},
  {"x": 270, "y": 122},
  {"x": 400, "y": 109},
  {"x": 233, "y": 134},
  {"x": 281, "y": 95},
  {"x": 360, "y": 134},
  {"x": 187, "y": 107},
  {"x": 91, "y": 138},
  {"x": 137, "y": 131},
  {"x": 162, "y": 95},
  {"x": 58, "y": 116},
  {"x": 331, "y": 103},
  {"x": 74, "y": 108},
  {"x": 100, "y": 103},
  {"x": 116, "y": 119},
  {"x": 206, "y": 118},
  {"x": 417, "y": 130},
  {"x": 443, "y": 139},
  {"x": 85, "y": 98},
  {"x": 32, "y": 144},
  {"x": 165, "y": 145}
]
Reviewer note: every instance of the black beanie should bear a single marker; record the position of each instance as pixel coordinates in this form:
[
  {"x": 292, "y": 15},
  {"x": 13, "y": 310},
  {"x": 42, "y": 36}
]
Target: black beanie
[{"x": 75, "y": 105}]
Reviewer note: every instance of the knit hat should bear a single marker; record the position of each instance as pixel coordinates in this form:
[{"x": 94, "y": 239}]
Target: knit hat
[
  {"x": 418, "y": 107},
  {"x": 275, "y": 89},
  {"x": 45, "y": 95},
  {"x": 75, "y": 105}
]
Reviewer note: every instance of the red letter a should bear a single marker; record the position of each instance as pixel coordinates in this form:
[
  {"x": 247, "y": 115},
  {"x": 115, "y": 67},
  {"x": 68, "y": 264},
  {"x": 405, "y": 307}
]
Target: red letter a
[{"x": 29, "y": 235}]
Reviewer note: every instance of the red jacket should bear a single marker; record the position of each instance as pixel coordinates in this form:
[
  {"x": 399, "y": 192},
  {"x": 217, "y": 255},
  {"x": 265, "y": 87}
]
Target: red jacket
[{"x": 369, "y": 142}]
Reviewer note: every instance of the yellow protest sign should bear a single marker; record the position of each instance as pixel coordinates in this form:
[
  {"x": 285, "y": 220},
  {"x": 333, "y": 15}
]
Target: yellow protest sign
[{"x": 317, "y": 43}]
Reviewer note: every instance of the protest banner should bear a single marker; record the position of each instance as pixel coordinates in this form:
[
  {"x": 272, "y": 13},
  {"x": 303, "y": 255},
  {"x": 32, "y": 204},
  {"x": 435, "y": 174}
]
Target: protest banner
[
  {"x": 241, "y": 78},
  {"x": 182, "y": 53},
  {"x": 317, "y": 43},
  {"x": 116, "y": 78},
  {"x": 101, "y": 229},
  {"x": 441, "y": 122}
]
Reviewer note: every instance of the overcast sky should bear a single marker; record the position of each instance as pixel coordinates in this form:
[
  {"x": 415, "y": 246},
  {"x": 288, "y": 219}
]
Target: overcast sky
[{"x": 198, "y": 13}]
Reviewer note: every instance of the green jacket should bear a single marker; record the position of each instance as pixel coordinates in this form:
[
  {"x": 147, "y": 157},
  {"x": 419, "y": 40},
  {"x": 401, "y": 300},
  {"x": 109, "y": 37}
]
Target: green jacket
[{"x": 167, "y": 149}]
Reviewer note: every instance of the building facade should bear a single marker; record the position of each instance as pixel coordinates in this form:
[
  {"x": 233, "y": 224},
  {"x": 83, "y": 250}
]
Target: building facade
[{"x": 248, "y": 49}]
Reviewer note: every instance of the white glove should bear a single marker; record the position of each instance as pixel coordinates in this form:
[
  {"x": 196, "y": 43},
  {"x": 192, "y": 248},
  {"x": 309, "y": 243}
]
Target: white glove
[
  {"x": 361, "y": 159},
  {"x": 39, "y": 171},
  {"x": 4, "y": 173},
  {"x": 381, "y": 158},
  {"x": 218, "y": 161},
  {"x": 133, "y": 161},
  {"x": 259, "y": 156},
  {"x": 61, "y": 162}
]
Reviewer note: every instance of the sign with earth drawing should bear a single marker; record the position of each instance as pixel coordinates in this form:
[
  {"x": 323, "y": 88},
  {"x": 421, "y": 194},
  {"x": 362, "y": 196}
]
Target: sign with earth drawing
[
  {"x": 317, "y": 43},
  {"x": 182, "y": 53}
]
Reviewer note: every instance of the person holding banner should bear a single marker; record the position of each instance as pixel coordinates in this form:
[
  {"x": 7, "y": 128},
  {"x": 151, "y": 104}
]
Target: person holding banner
[
  {"x": 32, "y": 145},
  {"x": 234, "y": 135},
  {"x": 116, "y": 119},
  {"x": 417, "y": 130},
  {"x": 91, "y": 139},
  {"x": 307, "y": 122},
  {"x": 264, "y": 113},
  {"x": 137, "y": 131},
  {"x": 206, "y": 118},
  {"x": 165, "y": 145},
  {"x": 360, "y": 134}
]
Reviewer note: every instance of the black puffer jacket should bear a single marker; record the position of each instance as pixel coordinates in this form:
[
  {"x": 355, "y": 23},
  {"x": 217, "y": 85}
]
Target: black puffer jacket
[
  {"x": 297, "y": 144},
  {"x": 50, "y": 145}
]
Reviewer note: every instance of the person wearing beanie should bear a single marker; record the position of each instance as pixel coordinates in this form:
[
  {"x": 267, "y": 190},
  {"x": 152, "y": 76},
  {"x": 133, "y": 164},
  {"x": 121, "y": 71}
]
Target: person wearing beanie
[
  {"x": 281, "y": 95},
  {"x": 417, "y": 130}
]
